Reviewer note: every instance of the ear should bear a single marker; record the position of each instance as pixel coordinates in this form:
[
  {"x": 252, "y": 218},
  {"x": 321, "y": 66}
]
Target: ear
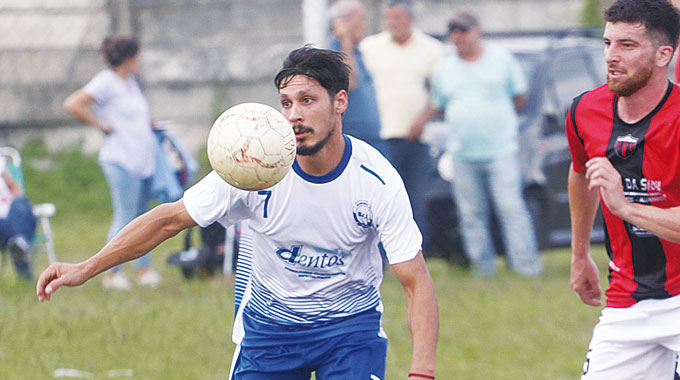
[
  {"x": 664, "y": 55},
  {"x": 340, "y": 102}
]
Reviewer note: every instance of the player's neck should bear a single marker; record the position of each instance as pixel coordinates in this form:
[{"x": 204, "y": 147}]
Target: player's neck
[
  {"x": 325, "y": 160},
  {"x": 635, "y": 107}
]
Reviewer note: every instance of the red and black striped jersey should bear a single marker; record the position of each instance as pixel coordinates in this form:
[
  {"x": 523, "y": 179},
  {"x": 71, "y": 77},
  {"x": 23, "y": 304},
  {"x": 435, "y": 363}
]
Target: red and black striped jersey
[{"x": 647, "y": 155}]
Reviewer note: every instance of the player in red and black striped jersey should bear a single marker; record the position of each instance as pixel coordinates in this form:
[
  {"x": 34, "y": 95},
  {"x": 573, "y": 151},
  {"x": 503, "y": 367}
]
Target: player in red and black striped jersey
[
  {"x": 646, "y": 154},
  {"x": 625, "y": 145}
]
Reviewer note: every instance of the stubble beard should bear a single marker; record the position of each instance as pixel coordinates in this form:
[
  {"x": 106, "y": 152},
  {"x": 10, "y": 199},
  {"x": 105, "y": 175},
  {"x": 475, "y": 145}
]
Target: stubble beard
[
  {"x": 628, "y": 87},
  {"x": 313, "y": 149}
]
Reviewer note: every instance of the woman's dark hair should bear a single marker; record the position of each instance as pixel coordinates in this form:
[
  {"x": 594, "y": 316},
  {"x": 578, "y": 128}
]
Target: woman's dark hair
[
  {"x": 325, "y": 66},
  {"x": 117, "y": 49},
  {"x": 660, "y": 17}
]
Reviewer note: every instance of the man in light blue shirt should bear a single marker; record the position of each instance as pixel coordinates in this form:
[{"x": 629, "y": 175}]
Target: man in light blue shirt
[{"x": 480, "y": 88}]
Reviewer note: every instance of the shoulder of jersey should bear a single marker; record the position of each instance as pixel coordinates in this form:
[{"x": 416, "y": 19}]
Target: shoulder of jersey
[
  {"x": 601, "y": 92},
  {"x": 371, "y": 160}
]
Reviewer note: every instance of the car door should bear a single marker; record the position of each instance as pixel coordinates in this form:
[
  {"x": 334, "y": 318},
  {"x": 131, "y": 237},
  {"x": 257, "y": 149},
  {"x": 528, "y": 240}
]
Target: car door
[{"x": 570, "y": 72}]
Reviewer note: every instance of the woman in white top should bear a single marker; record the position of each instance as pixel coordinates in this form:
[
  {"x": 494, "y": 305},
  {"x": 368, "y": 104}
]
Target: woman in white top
[{"x": 113, "y": 103}]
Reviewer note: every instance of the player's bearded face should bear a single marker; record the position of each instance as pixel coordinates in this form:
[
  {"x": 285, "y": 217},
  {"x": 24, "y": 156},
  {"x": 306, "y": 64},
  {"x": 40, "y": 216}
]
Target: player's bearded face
[
  {"x": 631, "y": 54},
  {"x": 311, "y": 148},
  {"x": 311, "y": 111},
  {"x": 634, "y": 79}
]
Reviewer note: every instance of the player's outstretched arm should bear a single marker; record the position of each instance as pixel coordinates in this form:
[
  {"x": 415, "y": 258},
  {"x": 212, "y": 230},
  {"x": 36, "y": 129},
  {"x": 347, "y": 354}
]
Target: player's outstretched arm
[
  {"x": 664, "y": 223},
  {"x": 583, "y": 203},
  {"x": 136, "y": 239},
  {"x": 423, "y": 314}
]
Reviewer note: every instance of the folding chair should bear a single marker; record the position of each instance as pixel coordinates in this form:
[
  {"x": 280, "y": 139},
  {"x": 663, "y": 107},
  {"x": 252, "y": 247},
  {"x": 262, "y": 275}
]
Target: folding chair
[{"x": 42, "y": 211}]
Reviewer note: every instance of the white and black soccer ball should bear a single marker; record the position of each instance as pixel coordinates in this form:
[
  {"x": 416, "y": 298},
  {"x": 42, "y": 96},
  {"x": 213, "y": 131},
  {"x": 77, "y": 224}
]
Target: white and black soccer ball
[{"x": 251, "y": 146}]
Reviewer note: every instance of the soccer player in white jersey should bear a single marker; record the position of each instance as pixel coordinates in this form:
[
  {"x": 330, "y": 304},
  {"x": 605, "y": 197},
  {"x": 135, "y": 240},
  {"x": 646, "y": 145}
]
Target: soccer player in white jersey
[{"x": 312, "y": 302}]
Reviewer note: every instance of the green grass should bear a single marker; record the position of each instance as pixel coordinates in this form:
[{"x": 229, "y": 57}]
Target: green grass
[{"x": 506, "y": 327}]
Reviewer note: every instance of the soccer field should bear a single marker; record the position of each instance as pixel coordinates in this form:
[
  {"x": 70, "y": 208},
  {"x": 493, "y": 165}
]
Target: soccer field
[
  {"x": 504, "y": 328},
  {"x": 508, "y": 327}
]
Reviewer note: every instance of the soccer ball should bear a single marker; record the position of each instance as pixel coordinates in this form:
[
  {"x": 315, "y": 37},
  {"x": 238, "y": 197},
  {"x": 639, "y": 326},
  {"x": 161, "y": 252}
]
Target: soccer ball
[{"x": 251, "y": 146}]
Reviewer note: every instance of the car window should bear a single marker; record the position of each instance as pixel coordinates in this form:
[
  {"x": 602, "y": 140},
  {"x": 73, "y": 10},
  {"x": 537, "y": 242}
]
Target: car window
[{"x": 571, "y": 74}]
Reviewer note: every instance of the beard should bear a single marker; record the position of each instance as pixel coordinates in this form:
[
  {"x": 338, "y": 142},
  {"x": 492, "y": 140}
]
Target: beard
[
  {"x": 312, "y": 149},
  {"x": 627, "y": 87}
]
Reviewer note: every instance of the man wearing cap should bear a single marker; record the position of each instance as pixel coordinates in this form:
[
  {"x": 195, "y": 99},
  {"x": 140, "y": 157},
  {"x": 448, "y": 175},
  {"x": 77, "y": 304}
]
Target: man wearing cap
[{"x": 480, "y": 88}]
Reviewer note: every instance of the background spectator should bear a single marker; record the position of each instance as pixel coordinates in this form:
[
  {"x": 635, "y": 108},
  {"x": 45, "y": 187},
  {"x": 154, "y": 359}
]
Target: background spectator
[
  {"x": 480, "y": 88},
  {"x": 401, "y": 60},
  {"x": 127, "y": 155}
]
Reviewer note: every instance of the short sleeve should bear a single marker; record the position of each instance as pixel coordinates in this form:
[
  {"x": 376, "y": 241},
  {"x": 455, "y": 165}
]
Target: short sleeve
[
  {"x": 518, "y": 81},
  {"x": 579, "y": 155},
  {"x": 437, "y": 51},
  {"x": 437, "y": 99},
  {"x": 100, "y": 88},
  {"x": 397, "y": 230},
  {"x": 213, "y": 200}
]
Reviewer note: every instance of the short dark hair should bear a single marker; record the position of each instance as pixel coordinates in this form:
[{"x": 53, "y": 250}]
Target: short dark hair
[
  {"x": 117, "y": 49},
  {"x": 660, "y": 17},
  {"x": 327, "y": 67}
]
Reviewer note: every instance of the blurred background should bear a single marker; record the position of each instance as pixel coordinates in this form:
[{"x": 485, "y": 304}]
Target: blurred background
[{"x": 198, "y": 56}]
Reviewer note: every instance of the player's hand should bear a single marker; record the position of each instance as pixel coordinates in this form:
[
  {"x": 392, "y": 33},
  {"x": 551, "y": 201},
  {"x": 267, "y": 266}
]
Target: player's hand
[
  {"x": 58, "y": 275},
  {"x": 601, "y": 174},
  {"x": 585, "y": 280}
]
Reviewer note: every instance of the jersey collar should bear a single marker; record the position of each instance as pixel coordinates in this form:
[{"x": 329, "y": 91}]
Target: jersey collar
[{"x": 335, "y": 173}]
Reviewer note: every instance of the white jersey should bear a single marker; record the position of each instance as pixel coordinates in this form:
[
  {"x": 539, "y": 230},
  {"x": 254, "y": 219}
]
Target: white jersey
[
  {"x": 120, "y": 103},
  {"x": 315, "y": 255}
]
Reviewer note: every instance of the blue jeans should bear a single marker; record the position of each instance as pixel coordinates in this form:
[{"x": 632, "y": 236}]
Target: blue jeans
[
  {"x": 19, "y": 222},
  {"x": 414, "y": 163},
  {"x": 130, "y": 197},
  {"x": 475, "y": 186}
]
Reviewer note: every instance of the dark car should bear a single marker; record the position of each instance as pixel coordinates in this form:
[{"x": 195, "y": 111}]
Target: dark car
[{"x": 559, "y": 65}]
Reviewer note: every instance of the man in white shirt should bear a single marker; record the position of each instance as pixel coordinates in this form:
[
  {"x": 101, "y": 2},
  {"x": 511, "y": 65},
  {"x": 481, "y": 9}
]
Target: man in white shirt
[
  {"x": 312, "y": 302},
  {"x": 401, "y": 60}
]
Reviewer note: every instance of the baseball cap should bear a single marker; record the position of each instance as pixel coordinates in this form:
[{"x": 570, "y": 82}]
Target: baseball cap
[{"x": 462, "y": 21}]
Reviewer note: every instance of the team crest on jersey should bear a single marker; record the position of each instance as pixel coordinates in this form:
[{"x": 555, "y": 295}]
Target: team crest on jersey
[
  {"x": 363, "y": 214},
  {"x": 625, "y": 146}
]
